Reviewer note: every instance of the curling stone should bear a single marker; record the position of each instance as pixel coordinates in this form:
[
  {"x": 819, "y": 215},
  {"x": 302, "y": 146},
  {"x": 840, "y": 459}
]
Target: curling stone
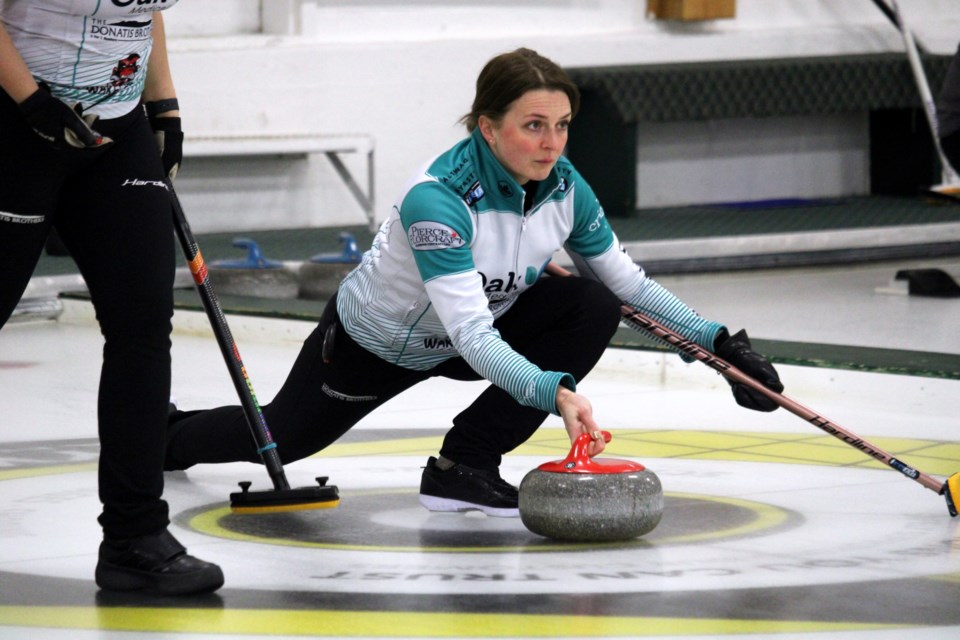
[
  {"x": 584, "y": 499},
  {"x": 253, "y": 276},
  {"x": 321, "y": 275}
]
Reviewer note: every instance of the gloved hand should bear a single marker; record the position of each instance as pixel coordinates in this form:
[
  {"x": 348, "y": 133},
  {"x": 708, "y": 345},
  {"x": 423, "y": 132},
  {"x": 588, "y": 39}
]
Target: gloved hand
[
  {"x": 169, "y": 138},
  {"x": 60, "y": 125},
  {"x": 738, "y": 351}
]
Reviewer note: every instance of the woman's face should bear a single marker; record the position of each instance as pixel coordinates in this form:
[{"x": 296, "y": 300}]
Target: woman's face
[{"x": 531, "y": 135}]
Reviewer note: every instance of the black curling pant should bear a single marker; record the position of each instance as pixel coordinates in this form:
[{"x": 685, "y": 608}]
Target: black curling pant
[
  {"x": 561, "y": 324},
  {"x": 112, "y": 211}
]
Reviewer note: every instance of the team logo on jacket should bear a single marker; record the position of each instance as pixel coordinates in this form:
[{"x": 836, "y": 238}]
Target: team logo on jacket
[
  {"x": 429, "y": 236},
  {"x": 121, "y": 76},
  {"x": 474, "y": 194},
  {"x": 125, "y": 69}
]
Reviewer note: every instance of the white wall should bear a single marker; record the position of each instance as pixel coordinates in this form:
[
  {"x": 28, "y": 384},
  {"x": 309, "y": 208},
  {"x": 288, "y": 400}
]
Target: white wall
[
  {"x": 737, "y": 160},
  {"x": 403, "y": 71}
]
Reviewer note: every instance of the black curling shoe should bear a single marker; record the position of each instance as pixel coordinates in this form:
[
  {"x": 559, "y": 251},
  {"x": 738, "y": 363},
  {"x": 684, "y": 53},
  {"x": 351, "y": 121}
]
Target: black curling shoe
[
  {"x": 155, "y": 564},
  {"x": 463, "y": 488}
]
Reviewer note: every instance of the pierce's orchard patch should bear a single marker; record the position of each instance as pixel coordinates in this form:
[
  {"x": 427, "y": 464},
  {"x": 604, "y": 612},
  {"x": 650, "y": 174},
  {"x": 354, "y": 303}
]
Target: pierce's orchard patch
[{"x": 429, "y": 236}]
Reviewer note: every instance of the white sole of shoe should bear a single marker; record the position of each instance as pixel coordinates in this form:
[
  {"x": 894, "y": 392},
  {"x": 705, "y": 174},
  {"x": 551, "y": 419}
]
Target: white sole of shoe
[{"x": 446, "y": 505}]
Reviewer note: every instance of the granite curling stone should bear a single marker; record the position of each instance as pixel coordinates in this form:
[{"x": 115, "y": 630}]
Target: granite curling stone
[
  {"x": 321, "y": 275},
  {"x": 584, "y": 499},
  {"x": 253, "y": 275}
]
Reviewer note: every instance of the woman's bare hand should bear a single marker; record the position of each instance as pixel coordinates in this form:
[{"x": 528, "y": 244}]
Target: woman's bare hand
[{"x": 577, "y": 414}]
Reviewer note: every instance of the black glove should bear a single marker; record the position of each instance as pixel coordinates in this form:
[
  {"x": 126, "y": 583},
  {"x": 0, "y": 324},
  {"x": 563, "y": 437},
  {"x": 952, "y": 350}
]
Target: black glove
[
  {"x": 738, "y": 351},
  {"x": 169, "y": 138},
  {"x": 60, "y": 125}
]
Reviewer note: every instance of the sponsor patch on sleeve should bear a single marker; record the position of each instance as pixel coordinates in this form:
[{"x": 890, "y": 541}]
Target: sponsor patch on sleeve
[{"x": 429, "y": 236}]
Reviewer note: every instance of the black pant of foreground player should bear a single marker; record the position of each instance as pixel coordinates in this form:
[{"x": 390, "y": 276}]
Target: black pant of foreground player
[
  {"x": 112, "y": 211},
  {"x": 559, "y": 324}
]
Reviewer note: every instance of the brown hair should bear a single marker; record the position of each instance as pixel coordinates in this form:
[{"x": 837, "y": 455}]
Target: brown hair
[{"x": 508, "y": 76}]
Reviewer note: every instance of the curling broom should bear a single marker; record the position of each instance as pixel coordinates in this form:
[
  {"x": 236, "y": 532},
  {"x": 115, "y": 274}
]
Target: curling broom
[
  {"x": 949, "y": 489},
  {"x": 950, "y": 185},
  {"x": 281, "y": 497}
]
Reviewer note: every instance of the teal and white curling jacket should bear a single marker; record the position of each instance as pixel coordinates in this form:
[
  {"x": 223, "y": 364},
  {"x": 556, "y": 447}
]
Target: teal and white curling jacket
[{"x": 458, "y": 249}]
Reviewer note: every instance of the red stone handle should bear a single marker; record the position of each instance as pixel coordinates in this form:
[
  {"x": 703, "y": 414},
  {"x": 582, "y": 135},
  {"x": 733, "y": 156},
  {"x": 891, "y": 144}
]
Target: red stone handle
[
  {"x": 580, "y": 451},
  {"x": 579, "y": 460}
]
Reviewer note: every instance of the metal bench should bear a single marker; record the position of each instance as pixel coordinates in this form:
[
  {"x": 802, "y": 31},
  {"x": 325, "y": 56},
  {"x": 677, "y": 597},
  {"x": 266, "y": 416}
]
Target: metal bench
[{"x": 293, "y": 144}]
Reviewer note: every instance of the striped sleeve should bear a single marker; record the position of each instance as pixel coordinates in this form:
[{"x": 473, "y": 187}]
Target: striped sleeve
[{"x": 655, "y": 301}]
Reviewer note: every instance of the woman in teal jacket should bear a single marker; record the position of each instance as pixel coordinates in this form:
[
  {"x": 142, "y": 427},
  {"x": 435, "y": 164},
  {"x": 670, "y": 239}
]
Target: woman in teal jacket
[{"x": 453, "y": 286}]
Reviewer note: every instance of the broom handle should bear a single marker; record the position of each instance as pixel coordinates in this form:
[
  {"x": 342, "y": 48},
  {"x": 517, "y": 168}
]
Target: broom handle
[
  {"x": 228, "y": 347},
  {"x": 729, "y": 371}
]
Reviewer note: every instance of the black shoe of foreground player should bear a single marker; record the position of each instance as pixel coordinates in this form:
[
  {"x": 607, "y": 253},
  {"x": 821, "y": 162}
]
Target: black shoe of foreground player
[
  {"x": 156, "y": 564},
  {"x": 463, "y": 488}
]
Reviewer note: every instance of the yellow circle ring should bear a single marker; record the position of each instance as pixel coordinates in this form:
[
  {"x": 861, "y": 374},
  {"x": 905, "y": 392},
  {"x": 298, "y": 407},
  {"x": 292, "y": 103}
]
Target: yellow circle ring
[{"x": 765, "y": 517}]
